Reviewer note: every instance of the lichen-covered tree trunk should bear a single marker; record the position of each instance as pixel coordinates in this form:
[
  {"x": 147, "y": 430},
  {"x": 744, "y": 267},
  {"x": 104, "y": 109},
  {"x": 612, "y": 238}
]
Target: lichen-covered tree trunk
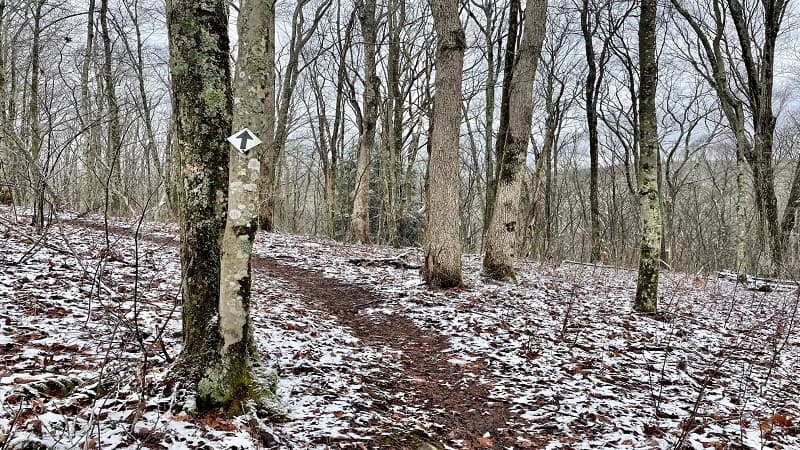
[
  {"x": 741, "y": 214},
  {"x": 369, "y": 117},
  {"x": 442, "y": 267},
  {"x": 235, "y": 380},
  {"x": 649, "y": 203},
  {"x": 500, "y": 248},
  {"x": 200, "y": 72}
]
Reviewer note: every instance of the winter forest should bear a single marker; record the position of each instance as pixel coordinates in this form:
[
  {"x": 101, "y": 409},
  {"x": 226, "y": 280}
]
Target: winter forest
[{"x": 399, "y": 224}]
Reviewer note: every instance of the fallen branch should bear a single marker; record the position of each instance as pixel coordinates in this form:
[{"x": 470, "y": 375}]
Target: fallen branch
[
  {"x": 397, "y": 262},
  {"x": 598, "y": 265},
  {"x": 759, "y": 283}
]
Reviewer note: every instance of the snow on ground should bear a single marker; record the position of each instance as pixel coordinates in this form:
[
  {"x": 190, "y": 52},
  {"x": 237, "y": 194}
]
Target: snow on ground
[{"x": 87, "y": 334}]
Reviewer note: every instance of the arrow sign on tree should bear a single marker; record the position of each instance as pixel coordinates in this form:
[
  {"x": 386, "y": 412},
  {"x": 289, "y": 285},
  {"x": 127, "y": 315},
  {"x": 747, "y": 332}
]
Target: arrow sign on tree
[{"x": 244, "y": 140}]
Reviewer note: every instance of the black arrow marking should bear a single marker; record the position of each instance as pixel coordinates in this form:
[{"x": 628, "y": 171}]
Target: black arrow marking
[{"x": 244, "y": 136}]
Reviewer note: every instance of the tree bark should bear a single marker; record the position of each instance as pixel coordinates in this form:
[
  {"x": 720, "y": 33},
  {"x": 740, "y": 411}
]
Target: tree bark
[
  {"x": 276, "y": 140},
  {"x": 200, "y": 72},
  {"x": 442, "y": 267},
  {"x": 37, "y": 177},
  {"x": 509, "y": 59},
  {"x": 591, "y": 91},
  {"x": 236, "y": 378},
  {"x": 268, "y": 151},
  {"x": 649, "y": 202},
  {"x": 87, "y": 121},
  {"x": 369, "y": 117},
  {"x": 113, "y": 151},
  {"x": 500, "y": 249},
  {"x": 760, "y": 78}
]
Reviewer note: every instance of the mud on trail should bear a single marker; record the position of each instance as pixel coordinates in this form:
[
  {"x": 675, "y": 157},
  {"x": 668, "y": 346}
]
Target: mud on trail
[{"x": 460, "y": 407}]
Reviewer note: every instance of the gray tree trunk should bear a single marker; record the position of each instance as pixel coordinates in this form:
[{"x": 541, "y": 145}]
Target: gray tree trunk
[
  {"x": 37, "y": 177},
  {"x": 500, "y": 248},
  {"x": 235, "y": 379},
  {"x": 442, "y": 267},
  {"x": 649, "y": 202},
  {"x": 514, "y": 11},
  {"x": 733, "y": 108},
  {"x": 369, "y": 117},
  {"x": 200, "y": 72},
  {"x": 268, "y": 150},
  {"x": 760, "y": 80},
  {"x": 274, "y": 141},
  {"x": 87, "y": 121},
  {"x": 113, "y": 178}
]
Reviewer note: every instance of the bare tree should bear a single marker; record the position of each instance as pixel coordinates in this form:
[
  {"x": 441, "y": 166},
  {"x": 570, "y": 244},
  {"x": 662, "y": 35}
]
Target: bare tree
[
  {"x": 274, "y": 143},
  {"x": 202, "y": 107},
  {"x": 369, "y": 118},
  {"x": 745, "y": 91},
  {"x": 234, "y": 380},
  {"x": 649, "y": 200},
  {"x": 114, "y": 141},
  {"x": 37, "y": 177},
  {"x": 592, "y": 15},
  {"x": 90, "y": 153},
  {"x": 498, "y": 260},
  {"x": 442, "y": 266}
]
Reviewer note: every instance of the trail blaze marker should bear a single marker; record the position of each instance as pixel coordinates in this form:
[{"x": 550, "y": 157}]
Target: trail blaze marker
[{"x": 244, "y": 140}]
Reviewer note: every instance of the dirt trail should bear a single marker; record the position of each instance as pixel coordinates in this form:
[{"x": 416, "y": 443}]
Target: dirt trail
[{"x": 460, "y": 405}]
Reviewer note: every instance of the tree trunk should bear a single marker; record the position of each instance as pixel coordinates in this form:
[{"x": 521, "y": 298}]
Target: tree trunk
[
  {"x": 505, "y": 105},
  {"x": 649, "y": 202},
  {"x": 272, "y": 152},
  {"x": 87, "y": 121},
  {"x": 591, "y": 117},
  {"x": 6, "y": 192},
  {"x": 37, "y": 177},
  {"x": 394, "y": 121},
  {"x": 113, "y": 151},
  {"x": 268, "y": 150},
  {"x": 442, "y": 266},
  {"x": 760, "y": 79},
  {"x": 488, "y": 134},
  {"x": 234, "y": 380},
  {"x": 741, "y": 214},
  {"x": 200, "y": 71},
  {"x": 331, "y": 172},
  {"x": 500, "y": 249},
  {"x": 366, "y": 140}
]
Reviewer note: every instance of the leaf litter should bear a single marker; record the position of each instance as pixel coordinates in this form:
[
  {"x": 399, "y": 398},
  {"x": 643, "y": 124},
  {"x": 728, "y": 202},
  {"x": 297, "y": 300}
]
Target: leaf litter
[{"x": 370, "y": 358}]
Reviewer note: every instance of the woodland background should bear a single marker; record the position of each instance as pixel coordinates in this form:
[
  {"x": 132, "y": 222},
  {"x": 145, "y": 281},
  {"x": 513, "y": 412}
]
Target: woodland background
[{"x": 86, "y": 122}]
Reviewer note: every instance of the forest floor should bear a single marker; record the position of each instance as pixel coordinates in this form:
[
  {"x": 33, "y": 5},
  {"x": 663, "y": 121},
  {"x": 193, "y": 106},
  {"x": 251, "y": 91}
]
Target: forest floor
[{"x": 370, "y": 358}]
